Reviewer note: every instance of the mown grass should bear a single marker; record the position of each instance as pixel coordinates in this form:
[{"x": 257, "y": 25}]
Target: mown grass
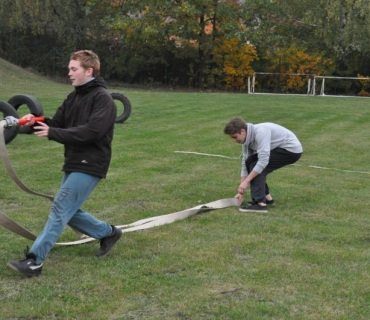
[{"x": 308, "y": 258}]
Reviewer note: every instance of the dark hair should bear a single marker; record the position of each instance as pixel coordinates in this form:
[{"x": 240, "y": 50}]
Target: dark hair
[
  {"x": 235, "y": 126},
  {"x": 88, "y": 59}
]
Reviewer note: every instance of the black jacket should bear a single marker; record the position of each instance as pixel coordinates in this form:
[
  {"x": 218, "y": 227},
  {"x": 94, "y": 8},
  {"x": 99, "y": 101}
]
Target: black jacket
[{"x": 84, "y": 123}]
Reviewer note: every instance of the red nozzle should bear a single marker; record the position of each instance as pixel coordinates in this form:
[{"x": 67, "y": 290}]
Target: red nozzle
[{"x": 22, "y": 122}]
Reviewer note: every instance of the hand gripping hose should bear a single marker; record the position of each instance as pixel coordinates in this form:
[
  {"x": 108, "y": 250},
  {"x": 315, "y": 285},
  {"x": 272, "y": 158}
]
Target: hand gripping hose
[
  {"x": 9, "y": 122},
  {"x": 14, "y": 227},
  {"x": 13, "y": 122}
]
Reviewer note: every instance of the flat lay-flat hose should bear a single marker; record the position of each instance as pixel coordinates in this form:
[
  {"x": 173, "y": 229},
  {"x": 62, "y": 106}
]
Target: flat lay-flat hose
[{"x": 14, "y": 227}]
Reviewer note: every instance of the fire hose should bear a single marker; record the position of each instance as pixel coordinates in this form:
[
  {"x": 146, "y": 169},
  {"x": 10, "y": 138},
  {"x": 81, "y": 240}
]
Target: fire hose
[{"x": 142, "y": 224}]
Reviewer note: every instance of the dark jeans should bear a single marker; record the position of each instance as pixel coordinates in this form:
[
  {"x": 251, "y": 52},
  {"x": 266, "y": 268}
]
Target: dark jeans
[{"x": 278, "y": 158}]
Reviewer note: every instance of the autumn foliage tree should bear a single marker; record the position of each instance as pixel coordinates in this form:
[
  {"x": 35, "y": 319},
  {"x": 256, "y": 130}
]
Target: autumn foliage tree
[
  {"x": 235, "y": 59},
  {"x": 297, "y": 62},
  {"x": 195, "y": 43}
]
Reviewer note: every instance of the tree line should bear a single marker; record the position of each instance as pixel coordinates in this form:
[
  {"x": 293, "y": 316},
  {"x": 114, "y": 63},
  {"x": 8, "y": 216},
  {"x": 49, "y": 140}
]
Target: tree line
[{"x": 206, "y": 44}]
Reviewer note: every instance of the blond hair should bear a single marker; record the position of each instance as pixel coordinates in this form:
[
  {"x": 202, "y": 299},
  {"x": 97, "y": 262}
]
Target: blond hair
[{"x": 88, "y": 59}]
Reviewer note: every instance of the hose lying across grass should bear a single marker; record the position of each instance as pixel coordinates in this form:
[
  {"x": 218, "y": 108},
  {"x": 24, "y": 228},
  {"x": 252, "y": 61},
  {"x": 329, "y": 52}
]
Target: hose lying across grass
[{"x": 14, "y": 227}]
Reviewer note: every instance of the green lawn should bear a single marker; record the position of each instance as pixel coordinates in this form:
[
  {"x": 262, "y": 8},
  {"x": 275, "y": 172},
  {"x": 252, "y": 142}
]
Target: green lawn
[{"x": 308, "y": 258}]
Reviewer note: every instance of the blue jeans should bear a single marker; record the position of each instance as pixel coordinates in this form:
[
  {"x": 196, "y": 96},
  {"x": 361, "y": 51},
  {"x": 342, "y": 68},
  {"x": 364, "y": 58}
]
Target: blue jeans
[{"x": 66, "y": 209}]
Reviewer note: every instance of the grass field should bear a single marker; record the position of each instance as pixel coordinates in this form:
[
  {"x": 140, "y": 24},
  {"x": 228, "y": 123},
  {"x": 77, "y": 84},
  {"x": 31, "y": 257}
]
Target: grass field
[{"x": 308, "y": 258}]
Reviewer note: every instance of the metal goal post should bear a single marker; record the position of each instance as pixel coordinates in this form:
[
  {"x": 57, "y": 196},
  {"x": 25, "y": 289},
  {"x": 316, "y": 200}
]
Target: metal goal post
[
  {"x": 322, "y": 89},
  {"x": 252, "y": 80}
]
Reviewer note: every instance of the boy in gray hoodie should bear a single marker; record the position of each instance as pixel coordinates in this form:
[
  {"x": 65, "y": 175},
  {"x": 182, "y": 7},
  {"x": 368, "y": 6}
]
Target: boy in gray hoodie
[{"x": 266, "y": 148}]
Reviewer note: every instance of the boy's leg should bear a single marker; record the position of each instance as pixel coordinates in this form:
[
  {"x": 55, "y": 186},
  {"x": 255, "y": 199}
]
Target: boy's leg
[
  {"x": 87, "y": 224},
  {"x": 261, "y": 184},
  {"x": 75, "y": 189},
  {"x": 278, "y": 158}
]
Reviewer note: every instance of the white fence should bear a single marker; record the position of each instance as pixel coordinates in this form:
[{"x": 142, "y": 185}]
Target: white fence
[{"x": 314, "y": 82}]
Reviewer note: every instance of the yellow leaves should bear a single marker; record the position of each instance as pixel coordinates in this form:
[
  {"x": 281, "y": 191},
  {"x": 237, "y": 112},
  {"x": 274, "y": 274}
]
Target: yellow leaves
[
  {"x": 363, "y": 81},
  {"x": 296, "y": 61},
  {"x": 231, "y": 71},
  {"x": 365, "y": 85},
  {"x": 364, "y": 93},
  {"x": 235, "y": 60},
  {"x": 117, "y": 3}
]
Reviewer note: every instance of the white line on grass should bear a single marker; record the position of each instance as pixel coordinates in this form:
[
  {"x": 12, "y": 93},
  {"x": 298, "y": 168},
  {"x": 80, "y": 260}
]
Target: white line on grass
[
  {"x": 324, "y": 168},
  {"x": 298, "y": 165},
  {"x": 206, "y": 154}
]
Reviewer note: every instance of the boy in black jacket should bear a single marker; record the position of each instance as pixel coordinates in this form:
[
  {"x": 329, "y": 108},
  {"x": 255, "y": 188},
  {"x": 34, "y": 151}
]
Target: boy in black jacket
[{"x": 84, "y": 123}]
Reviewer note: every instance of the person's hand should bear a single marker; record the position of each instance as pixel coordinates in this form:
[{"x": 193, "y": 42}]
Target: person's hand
[
  {"x": 42, "y": 130},
  {"x": 28, "y": 118},
  {"x": 243, "y": 187},
  {"x": 239, "y": 197}
]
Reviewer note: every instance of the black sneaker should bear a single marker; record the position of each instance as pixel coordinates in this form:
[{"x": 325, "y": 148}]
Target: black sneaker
[
  {"x": 269, "y": 202},
  {"x": 107, "y": 243},
  {"x": 254, "y": 208},
  {"x": 26, "y": 266}
]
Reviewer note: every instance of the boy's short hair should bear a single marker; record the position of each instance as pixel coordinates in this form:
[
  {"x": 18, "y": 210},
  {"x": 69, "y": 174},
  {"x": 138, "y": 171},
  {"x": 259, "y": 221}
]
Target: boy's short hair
[
  {"x": 235, "y": 126},
  {"x": 88, "y": 59}
]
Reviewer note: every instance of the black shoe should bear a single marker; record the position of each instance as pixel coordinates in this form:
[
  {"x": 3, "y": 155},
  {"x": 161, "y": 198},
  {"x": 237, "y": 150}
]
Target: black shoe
[
  {"x": 107, "y": 243},
  {"x": 269, "y": 202},
  {"x": 26, "y": 266},
  {"x": 254, "y": 208}
]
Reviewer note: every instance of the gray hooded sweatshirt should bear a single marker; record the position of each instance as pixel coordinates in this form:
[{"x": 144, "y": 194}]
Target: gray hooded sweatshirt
[{"x": 264, "y": 137}]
